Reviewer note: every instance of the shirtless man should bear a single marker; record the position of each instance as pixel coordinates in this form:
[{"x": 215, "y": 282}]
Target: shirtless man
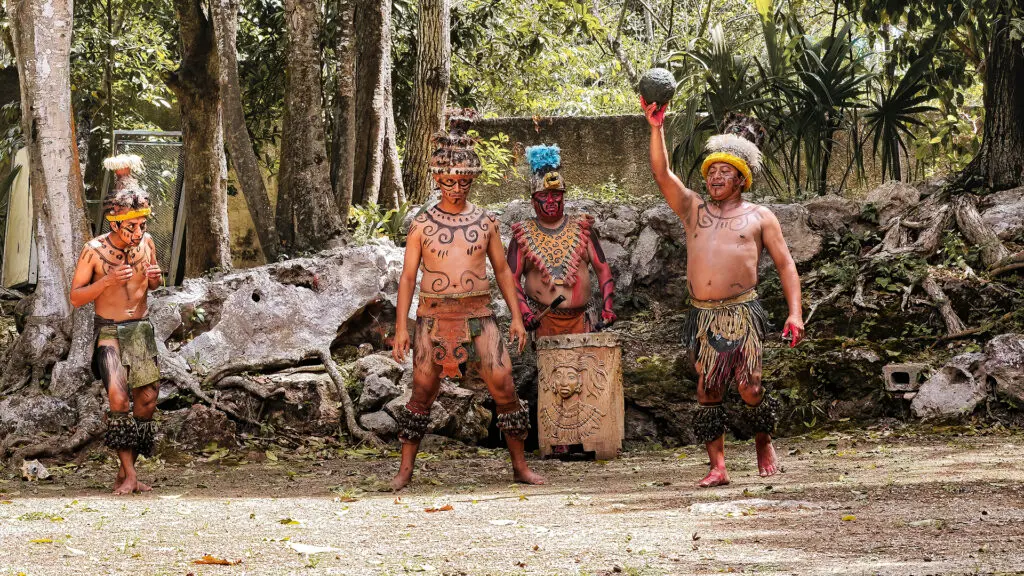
[
  {"x": 726, "y": 327},
  {"x": 555, "y": 252},
  {"x": 451, "y": 243},
  {"x": 116, "y": 271}
]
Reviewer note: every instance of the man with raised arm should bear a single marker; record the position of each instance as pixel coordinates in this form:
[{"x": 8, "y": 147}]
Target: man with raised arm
[
  {"x": 451, "y": 243},
  {"x": 116, "y": 271},
  {"x": 724, "y": 331}
]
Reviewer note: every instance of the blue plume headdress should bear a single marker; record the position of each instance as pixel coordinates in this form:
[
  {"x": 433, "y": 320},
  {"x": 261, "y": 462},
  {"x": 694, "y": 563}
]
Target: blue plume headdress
[{"x": 544, "y": 158}]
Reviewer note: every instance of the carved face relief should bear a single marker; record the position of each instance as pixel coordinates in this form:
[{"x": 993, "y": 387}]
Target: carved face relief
[
  {"x": 549, "y": 205},
  {"x": 574, "y": 378}
]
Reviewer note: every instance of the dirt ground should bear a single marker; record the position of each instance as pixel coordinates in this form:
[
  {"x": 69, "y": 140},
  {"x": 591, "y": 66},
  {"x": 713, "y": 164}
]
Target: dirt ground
[{"x": 858, "y": 502}]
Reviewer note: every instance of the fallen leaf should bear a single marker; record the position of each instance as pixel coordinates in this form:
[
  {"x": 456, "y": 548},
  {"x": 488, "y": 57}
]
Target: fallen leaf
[
  {"x": 42, "y": 541},
  {"x": 271, "y": 456},
  {"x": 849, "y": 517},
  {"x": 208, "y": 559},
  {"x": 523, "y": 497},
  {"x": 348, "y": 499},
  {"x": 445, "y": 508},
  {"x": 289, "y": 521},
  {"x": 309, "y": 549},
  {"x": 398, "y": 500},
  {"x": 75, "y": 551}
]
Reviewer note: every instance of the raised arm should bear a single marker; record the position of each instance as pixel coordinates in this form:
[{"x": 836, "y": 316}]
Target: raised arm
[
  {"x": 507, "y": 285},
  {"x": 771, "y": 234},
  {"x": 604, "y": 277},
  {"x": 406, "y": 286},
  {"x": 679, "y": 198},
  {"x": 516, "y": 264}
]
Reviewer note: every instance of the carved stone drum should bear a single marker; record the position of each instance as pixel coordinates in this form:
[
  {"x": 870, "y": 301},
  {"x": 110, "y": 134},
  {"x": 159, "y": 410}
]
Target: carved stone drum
[{"x": 579, "y": 395}]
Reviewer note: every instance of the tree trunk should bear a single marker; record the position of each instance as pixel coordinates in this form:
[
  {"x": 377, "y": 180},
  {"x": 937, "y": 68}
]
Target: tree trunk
[
  {"x": 344, "y": 135},
  {"x": 196, "y": 83},
  {"x": 307, "y": 217},
  {"x": 42, "y": 40},
  {"x": 977, "y": 232},
  {"x": 999, "y": 164},
  {"x": 433, "y": 72},
  {"x": 375, "y": 134},
  {"x": 243, "y": 157}
]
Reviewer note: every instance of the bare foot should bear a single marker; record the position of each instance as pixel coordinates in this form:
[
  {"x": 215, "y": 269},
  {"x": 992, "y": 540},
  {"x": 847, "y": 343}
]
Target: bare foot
[
  {"x": 120, "y": 478},
  {"x": 527, "y": 476},
  {"x": 127, "y": 487},
  {"x": 767, "y": 462},
  {"x": 140, "y": 487},
  {"x": 401, "y": 480},
  {"x": 716, "y": 477}
]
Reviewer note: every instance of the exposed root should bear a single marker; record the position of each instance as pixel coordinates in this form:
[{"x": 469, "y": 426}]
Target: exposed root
[
  {"x": 1014, "y": 262},
  {"x": 954, "y": 325},
  {"x": 346, "y": 402},
  {"x": 858, "y": 296},
  {"x": 826, "y": 300},
  {"x": 977, "y": 232}
]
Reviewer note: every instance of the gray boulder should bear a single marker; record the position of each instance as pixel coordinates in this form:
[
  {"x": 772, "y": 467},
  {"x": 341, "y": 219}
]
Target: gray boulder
[
  {"x": 615, "y": 229},
  {"x": 892, "y": 198},
  {"x": 664, "y": 220},
  {"x": 1004, "y": 213},
  {"x": 378, "y": 365},
  {"x": 639, "y": 425},
  {"x": 954, "y": 390},
  {"x": 804, "y": 243},
  {"x": 202, "y": 426},
  {"x": 643, "y": 262},
  {"x": 1004, "y": 363},
  {"x": 831, "y": 214},
  {"x": 380, "y": 423},
  {"x": 377, "y": 390}
]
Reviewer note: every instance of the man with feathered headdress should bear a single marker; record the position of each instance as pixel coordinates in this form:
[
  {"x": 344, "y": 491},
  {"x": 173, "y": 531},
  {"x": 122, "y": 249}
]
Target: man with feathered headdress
[
  {"x": 554, "y": 252},
  {"x": 116, "y": 271},
  {"x": 451, "y": 243},
  {"x": 726, "y": 328}
]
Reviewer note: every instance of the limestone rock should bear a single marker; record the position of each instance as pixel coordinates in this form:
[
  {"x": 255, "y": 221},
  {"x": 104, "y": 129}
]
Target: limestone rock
[
  {"x": 639, "y": 425},
  {"x": 30, "y": 415},
  {"x": 831, "y": 214},
  {"x": 804, "y": 243},
  {"x": 614, "y": 229},
  {"x": 1004, "y": 363},
  {"x": 377, "y": 390},
  {"x": 275, "y": 314},
  {"x": 378, "y": 365},
  {"x": 643, "y": 262},
  {"x": 954, "y": 390},
  {"x": 203, "y": 425},
  {"x": 892, "y": 198},
  {"x": 1004, "y": 212},
  {"x": 380, "y": 423},
  {"x": 664, "y": 220}
]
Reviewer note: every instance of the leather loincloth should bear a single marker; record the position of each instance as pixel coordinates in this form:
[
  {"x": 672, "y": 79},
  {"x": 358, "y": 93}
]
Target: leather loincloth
[
  {"x": 560, "y": 320},
  {"x": 136, "y": 343},
  {"x": 725, "y": 338},
  {"x": 450, "y": 326}
]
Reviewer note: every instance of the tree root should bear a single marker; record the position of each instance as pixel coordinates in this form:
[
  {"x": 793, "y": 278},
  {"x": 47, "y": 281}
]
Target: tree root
[
  {"x": 1014, "y": 262},
  {"x": 250, "y": 386},
  {"x": 172, "y": 372},
  {"x": 346, "y": 402},
  {"x": 826, "y": 300},
  {"x": 954, "y": 325},
  {"x": 977, "y": 232},
  {"x": 858, "y": 296}
]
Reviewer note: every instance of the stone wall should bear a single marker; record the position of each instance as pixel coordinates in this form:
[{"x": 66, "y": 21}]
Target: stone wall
[{"x": 595, "y": 150}]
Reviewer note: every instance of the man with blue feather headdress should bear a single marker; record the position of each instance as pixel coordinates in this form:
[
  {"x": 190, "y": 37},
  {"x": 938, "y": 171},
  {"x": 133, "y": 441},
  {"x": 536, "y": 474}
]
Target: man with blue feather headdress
[{"x": 551, "y": 255}]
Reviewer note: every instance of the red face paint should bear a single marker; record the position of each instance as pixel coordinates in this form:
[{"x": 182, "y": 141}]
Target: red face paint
[{"x": 549, "y": 205}]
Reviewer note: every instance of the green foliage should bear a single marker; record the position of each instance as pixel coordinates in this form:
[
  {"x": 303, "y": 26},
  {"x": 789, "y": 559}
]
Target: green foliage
[
  {"x": 371, "y": 221},
  {"x": 608, "y": 192},
  {"x": 497, "y": 159},
  {"x": 894, "y": 111}
]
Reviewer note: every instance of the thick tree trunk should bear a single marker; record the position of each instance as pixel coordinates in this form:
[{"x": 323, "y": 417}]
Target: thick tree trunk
[
  {"x": 197, "y": 86},
  {"x": 42, "y": 40},
  {"x": 433, "y": 74},
  {"x": 375, "y": 134},
  {"x": 344, "y": 134},
  {"x": 999, "y": 164},
  {"x": 307, "y": 216},
  {"x": 243, "y": 157}
]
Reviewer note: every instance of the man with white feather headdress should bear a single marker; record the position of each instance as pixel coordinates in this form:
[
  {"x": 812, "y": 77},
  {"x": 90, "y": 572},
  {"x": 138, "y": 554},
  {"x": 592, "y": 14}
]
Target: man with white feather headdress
[
  {"x": 726, "y": 327},
  {"x": 116, "y": 271}
]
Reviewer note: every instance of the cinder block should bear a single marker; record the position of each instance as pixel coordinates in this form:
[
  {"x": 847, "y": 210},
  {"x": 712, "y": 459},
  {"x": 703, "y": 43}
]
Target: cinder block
[{"x": 903, "y": 377}]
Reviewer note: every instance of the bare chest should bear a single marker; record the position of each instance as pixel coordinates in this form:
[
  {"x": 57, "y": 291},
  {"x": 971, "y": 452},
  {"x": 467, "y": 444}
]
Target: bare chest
[
  {"x": 709, "y": 233},
  {"x": 453, "y": 249}
]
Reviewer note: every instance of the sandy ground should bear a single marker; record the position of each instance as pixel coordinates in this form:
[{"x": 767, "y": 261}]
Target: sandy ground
[{"x": 859, "y": 502}]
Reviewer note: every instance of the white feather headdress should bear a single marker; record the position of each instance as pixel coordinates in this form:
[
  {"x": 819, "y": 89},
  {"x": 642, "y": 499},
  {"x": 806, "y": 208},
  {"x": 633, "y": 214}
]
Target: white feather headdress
[
  {"x": 737, "y": 146},
  {"x": 122, "y": 161}
]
